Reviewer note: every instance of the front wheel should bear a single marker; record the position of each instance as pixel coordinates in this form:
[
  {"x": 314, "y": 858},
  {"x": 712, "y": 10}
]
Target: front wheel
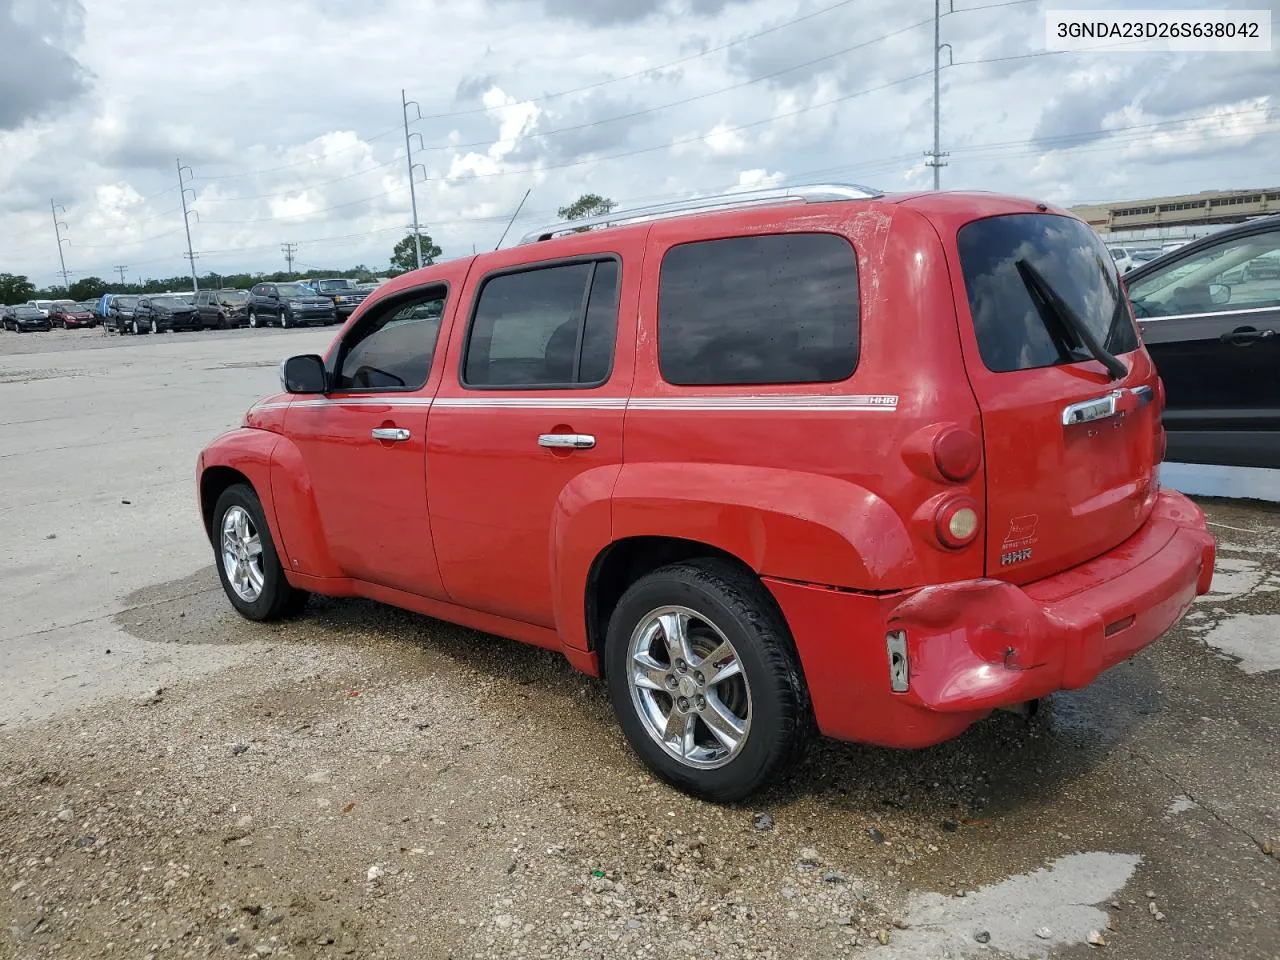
[
  {"x": 155, "y": 327},
  {"x": 284, "y": 319},
  {"x": 705, "y": 680},
  {"x": 137, "y": 330},
  {"x": 253, "y": 319},
  {"x": 248, "y": 564}
]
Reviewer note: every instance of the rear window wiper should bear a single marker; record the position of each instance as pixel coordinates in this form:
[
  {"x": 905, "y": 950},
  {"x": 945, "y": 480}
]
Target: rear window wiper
[{"x": 1056, "y": 312}]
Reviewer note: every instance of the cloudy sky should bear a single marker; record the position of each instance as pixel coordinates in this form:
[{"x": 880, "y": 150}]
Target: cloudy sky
[{"x": 288, "y": 114}]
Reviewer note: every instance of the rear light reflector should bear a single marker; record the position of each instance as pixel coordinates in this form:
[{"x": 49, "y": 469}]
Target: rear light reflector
[{"x": 957, "y": 522}]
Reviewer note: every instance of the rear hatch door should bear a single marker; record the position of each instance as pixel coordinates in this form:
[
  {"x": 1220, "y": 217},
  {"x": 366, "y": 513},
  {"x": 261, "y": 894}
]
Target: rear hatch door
[{"x": 1069, "y": 446}]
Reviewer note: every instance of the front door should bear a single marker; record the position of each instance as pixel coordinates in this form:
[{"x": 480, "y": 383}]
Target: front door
[
  {"x": 527, "y": 426},
  {"x": 1211, "y": 322},
  {"x": 364, "y": 442}
]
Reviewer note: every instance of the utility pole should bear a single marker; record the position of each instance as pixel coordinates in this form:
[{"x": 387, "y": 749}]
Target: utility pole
[
  {"x": 186, "y": 219},
  {"x": 289, "y": 250},
  {"x": 936, "y": 158},
  {"x": 58, "y": 227},
  {"x": 413, "y": 193},
  {"x": 120, "y": 268}
]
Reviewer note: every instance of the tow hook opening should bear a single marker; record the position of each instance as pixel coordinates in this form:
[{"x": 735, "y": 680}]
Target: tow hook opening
[{"x": 899, "y": 668}]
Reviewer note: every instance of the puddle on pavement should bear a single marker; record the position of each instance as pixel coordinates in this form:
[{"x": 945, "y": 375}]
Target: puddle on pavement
[{"x": 1025, "y": 916}]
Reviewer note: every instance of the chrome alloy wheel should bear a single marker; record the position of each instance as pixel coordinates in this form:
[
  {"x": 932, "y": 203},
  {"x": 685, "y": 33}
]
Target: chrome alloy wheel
[
  {"x": 688, "y": 687},
  {"x": 242, "y": 554}
]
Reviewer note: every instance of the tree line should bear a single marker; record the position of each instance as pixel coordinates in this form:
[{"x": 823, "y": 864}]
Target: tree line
[{"x": 15, "y": 288}]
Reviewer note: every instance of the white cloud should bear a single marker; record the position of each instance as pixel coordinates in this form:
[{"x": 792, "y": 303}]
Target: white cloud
[{"x": 289, "y": 116}]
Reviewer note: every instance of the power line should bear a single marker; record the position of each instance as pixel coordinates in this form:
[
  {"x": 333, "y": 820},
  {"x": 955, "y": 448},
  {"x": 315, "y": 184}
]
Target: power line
[
  {"x": 289, "y": 250},
  {"x": 121, "y": 268}
]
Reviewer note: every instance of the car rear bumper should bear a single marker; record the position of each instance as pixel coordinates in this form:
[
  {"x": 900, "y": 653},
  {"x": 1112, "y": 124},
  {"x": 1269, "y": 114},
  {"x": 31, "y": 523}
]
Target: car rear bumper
[{"x": 977, "y": 645}]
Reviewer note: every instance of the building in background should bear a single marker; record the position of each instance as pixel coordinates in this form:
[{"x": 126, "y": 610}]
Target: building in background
[{"x": 1161, "y": 215}]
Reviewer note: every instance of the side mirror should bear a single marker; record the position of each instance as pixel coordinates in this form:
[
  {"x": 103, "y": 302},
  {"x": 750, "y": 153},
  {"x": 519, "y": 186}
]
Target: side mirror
[
  {"x": 304, "y": 374},
  {"x": 1219, "y": 293}
]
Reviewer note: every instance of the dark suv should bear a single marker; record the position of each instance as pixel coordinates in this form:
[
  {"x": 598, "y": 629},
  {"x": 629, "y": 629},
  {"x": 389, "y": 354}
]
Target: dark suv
[
  {"x": 289, "y": 305},
  {"x": 163, "y": 314},
  {"x": 222, "y": 308},
  {"x": 345, "y": 294}
]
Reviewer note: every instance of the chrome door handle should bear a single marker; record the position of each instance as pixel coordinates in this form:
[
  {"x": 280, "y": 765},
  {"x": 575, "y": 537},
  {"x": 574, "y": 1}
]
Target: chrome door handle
[
  {"x": 567, "y": 441},
  {"x": 394, "y": 434}
]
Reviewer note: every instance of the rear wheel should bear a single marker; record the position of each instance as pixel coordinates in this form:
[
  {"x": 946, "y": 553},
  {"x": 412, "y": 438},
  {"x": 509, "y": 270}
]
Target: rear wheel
[
  {"x": 248, "y": 564},
  {"x": 705, "y": 680}
]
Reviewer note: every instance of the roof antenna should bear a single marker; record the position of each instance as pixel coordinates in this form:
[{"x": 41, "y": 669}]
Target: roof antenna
[{"x": 513, "y": 219}]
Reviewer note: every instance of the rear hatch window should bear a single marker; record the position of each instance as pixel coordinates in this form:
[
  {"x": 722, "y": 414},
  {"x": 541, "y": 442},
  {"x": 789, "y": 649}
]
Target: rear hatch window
[
  {"x": 1066, "y": 404},
  {"x": 1012, "y": 334}
]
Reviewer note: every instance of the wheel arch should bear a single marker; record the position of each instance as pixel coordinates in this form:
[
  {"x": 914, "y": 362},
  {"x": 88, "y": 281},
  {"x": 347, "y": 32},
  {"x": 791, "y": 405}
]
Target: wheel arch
[{"x": 621, "y": 563}]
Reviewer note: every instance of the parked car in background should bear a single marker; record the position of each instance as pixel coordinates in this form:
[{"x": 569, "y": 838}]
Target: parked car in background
[
  {"x": 42, "y": 305},
  {"x": 684, "y": 451},
  {"x": 120, "y": 313},
  {"x": 6, "y": 316},
  {"x": 27, "y": 319},
  {"x": 70, "y": 316},
  {"x": 222, "y": 309},
  {"x": 163, "y": 314},
  {"x": 345, "y": 294},
  {"x": 1128, "y": 258},
  {"x": 1216, "y": 343},
  {"x": 1262, "y": 268},
  {"x": 289, "y": 305}
]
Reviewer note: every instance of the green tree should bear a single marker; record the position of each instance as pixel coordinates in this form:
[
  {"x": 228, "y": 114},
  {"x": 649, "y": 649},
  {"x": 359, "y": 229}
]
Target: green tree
[
  {"x": 404, "y": 256},
  {"x": 15, "y": 289},
  {"x": 587, "y": 205},
  {"x": 89, "y": 288}
]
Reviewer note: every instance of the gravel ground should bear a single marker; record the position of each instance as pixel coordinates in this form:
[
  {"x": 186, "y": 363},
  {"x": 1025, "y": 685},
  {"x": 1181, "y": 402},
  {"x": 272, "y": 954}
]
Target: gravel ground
[{"x": 364, "y": 782}]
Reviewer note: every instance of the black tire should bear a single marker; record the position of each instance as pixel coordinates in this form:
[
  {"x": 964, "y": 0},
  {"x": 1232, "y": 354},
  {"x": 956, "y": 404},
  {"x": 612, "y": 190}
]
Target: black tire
[
  {"x": 253, "y": 318},
  {"x": 278, "y": 597},
  {"x": 284, "y": 319},
  {"x": 136, "y": 327},
  {"x": 781, "y": 719}
]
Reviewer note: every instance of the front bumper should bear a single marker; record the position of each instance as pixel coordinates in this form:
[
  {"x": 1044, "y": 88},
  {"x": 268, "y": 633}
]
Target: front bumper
[{"x": 977, "y": 645}]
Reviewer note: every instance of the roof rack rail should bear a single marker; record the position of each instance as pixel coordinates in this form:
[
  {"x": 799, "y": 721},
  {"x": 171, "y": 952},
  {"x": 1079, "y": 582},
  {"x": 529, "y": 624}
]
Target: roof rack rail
[{"x": 815, "y": 193}]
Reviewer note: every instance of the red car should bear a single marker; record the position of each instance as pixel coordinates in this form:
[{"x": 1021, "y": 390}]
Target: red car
[
  {"x": 70, "y": 316},
  {"x": 819, "y": 459}
]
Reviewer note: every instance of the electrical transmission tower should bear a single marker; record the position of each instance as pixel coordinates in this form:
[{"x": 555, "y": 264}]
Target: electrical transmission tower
[
  {"x": 120, "y": 268},
  {"x": 290, "y": 251}
]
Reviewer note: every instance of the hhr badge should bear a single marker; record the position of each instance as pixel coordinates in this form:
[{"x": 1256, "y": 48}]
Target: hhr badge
[{"x": 1021, "y": 537}]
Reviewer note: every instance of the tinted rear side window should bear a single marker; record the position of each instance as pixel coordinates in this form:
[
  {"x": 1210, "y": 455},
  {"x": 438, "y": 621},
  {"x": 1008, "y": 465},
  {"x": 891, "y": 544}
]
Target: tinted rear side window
[
  {"x": 1012, "y": 335},
  {"x": 781, "y": 308}
]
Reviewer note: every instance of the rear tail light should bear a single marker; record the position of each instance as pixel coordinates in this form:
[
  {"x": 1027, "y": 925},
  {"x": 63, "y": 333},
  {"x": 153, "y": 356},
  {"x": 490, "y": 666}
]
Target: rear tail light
[
  {"x": 957, "y": 454},
  {"x": 957, "y": 522}
]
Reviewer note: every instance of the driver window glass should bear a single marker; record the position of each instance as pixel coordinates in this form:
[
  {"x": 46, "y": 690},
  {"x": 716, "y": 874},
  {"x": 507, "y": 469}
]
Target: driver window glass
[
  {"x": 1240, "y": 274},
  {"x": 392, "y": 348}
]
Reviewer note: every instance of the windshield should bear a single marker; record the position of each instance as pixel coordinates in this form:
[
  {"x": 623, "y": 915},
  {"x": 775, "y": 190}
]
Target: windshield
[
  {"x": 1075, "y": 265},
  {"x": 125, "y": 302},
  {"x": 29, "y": 312},
  {"x": 170, "y": 302},
  {"x": 235, "y": 296},
  {"x": 333, "y": 286},
  {"x": 1145, "y": 255},
  {"x": 293, "y": 290}
]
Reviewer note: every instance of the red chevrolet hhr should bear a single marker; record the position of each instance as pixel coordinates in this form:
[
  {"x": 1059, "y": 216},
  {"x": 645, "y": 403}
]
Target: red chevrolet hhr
[{"x": 811, "y": 459}]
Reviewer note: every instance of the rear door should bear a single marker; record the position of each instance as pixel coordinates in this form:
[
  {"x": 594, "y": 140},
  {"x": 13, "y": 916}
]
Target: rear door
[
  {"x": 528, "y": 421},
  {"x": 1070, "y": 454},
  {"x": 1211, "y": 322}
]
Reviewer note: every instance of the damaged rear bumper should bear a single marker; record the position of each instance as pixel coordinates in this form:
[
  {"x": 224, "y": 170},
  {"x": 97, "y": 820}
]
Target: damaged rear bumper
[{"x": 978, "y": 645}]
